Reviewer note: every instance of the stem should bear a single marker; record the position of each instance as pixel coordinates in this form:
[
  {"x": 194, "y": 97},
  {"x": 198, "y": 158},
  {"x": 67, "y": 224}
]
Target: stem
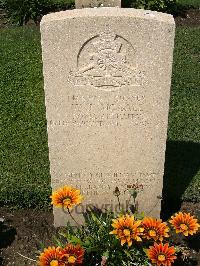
[
  {"x": 26, "y": 257},
  {"x": 119, "y": 202},
  {"x": 128, "y": 203},
  {"x": 72, "y": 217}
]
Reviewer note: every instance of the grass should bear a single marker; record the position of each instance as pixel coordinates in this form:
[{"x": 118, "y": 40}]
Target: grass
[
  {"x": 182, "y": 168},
  {"x": 24, "y": 167}
]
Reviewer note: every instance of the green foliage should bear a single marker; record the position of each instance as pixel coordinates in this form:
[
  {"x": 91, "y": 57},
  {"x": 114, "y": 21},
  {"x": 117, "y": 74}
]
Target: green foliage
[
  {"x": 2, "y": 3},
  {"x": 95, "y": 238},
  {"x": 189, "y": 3},
  {"x": 169, "y": 6},
  {"x": 21, "y": 11}
]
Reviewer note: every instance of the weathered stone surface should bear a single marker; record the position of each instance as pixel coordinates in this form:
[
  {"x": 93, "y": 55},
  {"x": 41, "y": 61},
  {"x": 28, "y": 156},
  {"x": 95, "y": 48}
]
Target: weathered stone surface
[
  {"x": 107, "y": 74},
  {"x": 97, "y": 3}
]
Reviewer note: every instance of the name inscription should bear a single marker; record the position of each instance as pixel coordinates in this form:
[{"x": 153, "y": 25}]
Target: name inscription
[{"x": 95, "y": 111}]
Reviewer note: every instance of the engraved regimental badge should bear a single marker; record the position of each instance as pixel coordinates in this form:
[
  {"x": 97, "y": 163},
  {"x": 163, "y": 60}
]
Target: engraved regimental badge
[{"x": 105, "y": 62}]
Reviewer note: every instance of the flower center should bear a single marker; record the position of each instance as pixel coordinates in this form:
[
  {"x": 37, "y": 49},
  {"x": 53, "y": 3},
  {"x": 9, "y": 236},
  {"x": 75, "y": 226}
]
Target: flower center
[
  {"x": 152, "y": 233},
  {"x": 161, "y": 257},
  {"x": 126, "y": 232},
  {"x": 71, "y": 259},
  {"x": 184, "y": 227},
  {"x": 67, "y": 200},
  {"x": 54, "y": 263}
]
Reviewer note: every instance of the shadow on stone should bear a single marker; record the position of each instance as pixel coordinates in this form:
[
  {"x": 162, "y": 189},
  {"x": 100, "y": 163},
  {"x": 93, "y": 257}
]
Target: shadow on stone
[
  {"x": 98, "y": 212},
  {"x": 182, "y": 162}
]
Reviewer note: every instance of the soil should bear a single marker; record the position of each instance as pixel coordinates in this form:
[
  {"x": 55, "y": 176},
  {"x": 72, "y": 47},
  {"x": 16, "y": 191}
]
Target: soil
[
  {"x": 26, "y": 232},
  {"x": 189, "y": 18}
]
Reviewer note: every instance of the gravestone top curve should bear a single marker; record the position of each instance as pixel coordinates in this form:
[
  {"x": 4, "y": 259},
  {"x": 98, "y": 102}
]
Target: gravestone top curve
[{"x": 107, "y": 11}]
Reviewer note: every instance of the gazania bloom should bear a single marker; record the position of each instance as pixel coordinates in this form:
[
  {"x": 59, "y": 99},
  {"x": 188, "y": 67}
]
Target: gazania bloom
[
  {"x": 73, "y": 255},
  {"x": 127, "y": 229},
  {"x": 154, "y": 229},
  {"x": 161, "y": 254},
  {"x": 66, "y": 197},
  {"x": 51, "y": 256},
  {"x": 184, "y": 223}
]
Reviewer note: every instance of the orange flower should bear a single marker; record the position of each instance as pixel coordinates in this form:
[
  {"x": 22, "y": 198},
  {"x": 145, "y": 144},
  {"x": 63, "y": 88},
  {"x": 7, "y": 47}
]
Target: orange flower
[
  {"x": 51, "y": 257},
  {"x": 161, "y": 254},
  {"x": 127, "y": 229},
  {"x": 66, "y": 197},
  {"x": 154, "y": 229},
  {"x": 184, "y": 223},
  {"x": 73, "y": 255}
]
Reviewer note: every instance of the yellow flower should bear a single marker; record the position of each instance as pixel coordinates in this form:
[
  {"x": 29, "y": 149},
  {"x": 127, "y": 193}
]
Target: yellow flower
[
  {"x": 127, "y": 229},
  {"x": 154, "y": 229},
  {"x": 184, "y": 223},
  {"x": 51, "y": 256},
  {"x": 66, "y": 197},
  {"x": 161, "y": 254}
]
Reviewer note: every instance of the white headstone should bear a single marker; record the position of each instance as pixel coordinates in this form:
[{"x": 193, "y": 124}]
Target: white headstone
[{"x": 107, "y": 75}]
